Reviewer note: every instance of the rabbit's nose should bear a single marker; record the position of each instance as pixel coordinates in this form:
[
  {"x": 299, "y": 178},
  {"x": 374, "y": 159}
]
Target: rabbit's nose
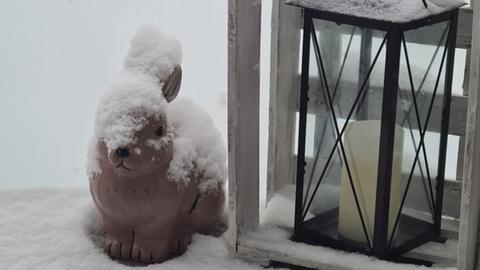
[{"x": 122, "y": 152}]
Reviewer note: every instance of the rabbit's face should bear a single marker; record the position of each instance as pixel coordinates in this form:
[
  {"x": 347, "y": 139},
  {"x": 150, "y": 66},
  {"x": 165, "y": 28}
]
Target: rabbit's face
[{"x": 151, "y": 150}]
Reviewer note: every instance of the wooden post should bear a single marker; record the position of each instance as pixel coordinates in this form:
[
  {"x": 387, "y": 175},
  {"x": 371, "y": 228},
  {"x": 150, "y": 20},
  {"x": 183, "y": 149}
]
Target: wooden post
[
  {"x": 243, "y": 115},
  {"x": 461, "y": 143},
  {"x": 470, "y": 208},
  {"x": 284, "y": 89}
]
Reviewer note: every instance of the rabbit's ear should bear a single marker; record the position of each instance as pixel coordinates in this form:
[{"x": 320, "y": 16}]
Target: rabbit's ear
[{"x": 172, "y": 84}]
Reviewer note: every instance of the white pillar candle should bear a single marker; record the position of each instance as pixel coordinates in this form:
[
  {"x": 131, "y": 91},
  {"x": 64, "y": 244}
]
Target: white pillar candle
[{"x": 361, "y": 141}]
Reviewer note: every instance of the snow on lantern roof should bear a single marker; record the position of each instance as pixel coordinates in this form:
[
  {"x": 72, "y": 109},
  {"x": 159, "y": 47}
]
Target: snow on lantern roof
[{"x": 398, "y": 11}]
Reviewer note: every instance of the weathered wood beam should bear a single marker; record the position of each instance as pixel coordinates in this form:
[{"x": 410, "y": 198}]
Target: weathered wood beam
[
  {"x": 417, "y": 194},
  {"x": 458, "y": 107},
  {"x": 470, "y": 205},
  {"x": 243, "y": 115},
  {"x": 451, "y": 197},
  {"x": 284, "y": 88},
  {"x": 458, "y": 113},
  {"x": 461, "y": 143},
  {"x": 464, "y": 34}
]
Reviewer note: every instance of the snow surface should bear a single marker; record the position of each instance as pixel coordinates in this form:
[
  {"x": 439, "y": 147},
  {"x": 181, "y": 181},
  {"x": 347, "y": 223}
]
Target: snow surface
[
  {"x": 153, "y": 52},
  {"x": 136, "y": 96},
  {"x": 276, "y": 227},
  {"x": 59, "y": 229},
  {"x": 385, "y": 10}
]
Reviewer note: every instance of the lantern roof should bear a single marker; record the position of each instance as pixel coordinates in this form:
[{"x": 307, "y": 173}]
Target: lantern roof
[{"x": 397, "y": 11}]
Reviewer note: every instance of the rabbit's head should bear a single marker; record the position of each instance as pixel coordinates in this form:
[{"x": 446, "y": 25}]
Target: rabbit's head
[
  {"x": 151, "y": 150},
  {"x": 132, "y": 132},
  {"x": 149, "y": 144}
]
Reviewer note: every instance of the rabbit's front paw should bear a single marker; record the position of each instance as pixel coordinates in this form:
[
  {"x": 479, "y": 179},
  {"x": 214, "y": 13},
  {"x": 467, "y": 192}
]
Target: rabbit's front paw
[
  {"x": 118, "y": 248},
  {"x": 148, "y": 252}
]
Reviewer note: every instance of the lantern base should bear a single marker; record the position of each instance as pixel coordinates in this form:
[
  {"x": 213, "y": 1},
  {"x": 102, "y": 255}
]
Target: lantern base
[{"x": 411, "y": 233}]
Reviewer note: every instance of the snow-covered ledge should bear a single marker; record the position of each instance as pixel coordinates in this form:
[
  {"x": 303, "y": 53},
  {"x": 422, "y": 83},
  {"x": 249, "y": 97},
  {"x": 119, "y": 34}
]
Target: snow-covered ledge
[{"x": 272, "y": 240}]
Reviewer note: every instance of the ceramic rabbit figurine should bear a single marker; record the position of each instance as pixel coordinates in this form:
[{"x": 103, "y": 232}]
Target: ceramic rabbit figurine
[{"x": 157, "y": 169}]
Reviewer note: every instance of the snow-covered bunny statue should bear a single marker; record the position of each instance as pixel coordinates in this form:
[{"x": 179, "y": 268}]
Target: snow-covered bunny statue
[{"x": 157, "y": 167}]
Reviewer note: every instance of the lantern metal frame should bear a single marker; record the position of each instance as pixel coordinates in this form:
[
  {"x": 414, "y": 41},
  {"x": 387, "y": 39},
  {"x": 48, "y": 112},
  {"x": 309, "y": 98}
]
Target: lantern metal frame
[{"x": 393, "y": 42}]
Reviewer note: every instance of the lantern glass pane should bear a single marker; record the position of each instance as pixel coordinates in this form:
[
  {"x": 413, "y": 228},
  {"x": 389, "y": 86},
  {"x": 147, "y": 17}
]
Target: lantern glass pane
[
  {"x": 343, "y": 121},
  {"x": 419, "y": 115}
]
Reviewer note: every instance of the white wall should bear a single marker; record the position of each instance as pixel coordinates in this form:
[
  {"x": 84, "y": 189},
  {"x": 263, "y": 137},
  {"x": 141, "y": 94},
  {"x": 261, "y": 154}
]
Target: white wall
[{"x": 57, "y": 56}]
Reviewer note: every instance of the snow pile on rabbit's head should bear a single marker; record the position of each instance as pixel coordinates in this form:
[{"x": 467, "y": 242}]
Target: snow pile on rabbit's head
[{"x": 139, "y": 129}]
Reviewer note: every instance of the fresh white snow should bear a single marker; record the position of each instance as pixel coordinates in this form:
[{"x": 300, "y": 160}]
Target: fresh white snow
[
  {"x": 59, "y": 229},
  {"x": 136, "y": 96},
  {"x": 125, "y": 108},
  {"x": 385, "y": 10},
  {"x": 198, "y": 144},
  {"x": 153, "y": 52}
]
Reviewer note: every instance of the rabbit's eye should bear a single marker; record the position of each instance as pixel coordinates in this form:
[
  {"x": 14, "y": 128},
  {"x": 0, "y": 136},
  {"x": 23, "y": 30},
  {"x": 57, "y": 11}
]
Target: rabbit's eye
[{"x": 159, "y": 131}]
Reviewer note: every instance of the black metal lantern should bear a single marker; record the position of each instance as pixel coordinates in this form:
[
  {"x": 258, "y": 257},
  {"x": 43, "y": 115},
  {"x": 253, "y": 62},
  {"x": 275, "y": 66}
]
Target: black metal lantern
[{"x": 373, "y": 127}]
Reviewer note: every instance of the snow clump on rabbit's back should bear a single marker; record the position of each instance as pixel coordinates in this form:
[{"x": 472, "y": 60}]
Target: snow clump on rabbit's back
[{"x": 197, "y": 146}]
